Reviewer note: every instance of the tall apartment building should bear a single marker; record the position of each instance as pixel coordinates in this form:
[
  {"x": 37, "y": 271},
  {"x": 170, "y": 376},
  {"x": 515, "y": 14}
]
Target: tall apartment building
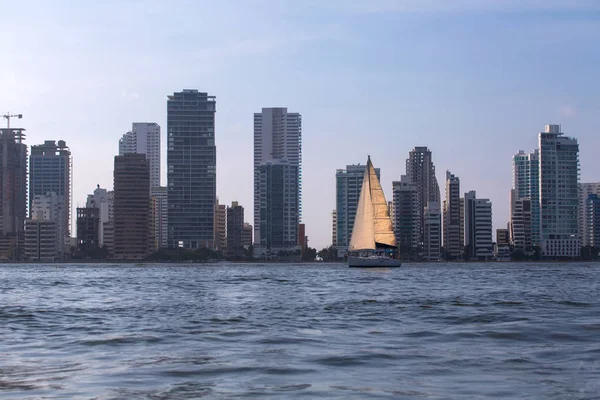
[
  {"x": 278, "y": 190},
  {"x": 559, "y": 200},
  {"x": 585, "y": 189},
  {"x": 99, "y": 199},
  {"x": 50, "y": 172},
  {"x": 247, "y": 235},
  {"x": 347, "y": 192},
  {"x": 42, "y": 231},
  {"x": 277, "y": 150},
  {"x": 405, "y": 216},
  {"x": 520, "y": 225},
  {"x": 13, "y": 191},
  {"x": 334, "y": 228},
  {"x": 41, "y": 240},
  {"x": 221, "y": 227},
  {"x": 160, "y": 214},
  {"x": 432, "y": 232},
  {"x": 191, "y": 169},
  {"x": 235, "y": 232},
  {"x": 88, "y": 228},
  {"x": 144, "y": 138},
  {"x": 592, "y": 211},
  {"x": 50, "y": 207},
  {"x": 453, "y": 231},
  {"x": 133, "y": 234},
  {"x": 526, "y": 185},
  {"x": 478, "y": 227},
  {"x": 421, "y": 171}
]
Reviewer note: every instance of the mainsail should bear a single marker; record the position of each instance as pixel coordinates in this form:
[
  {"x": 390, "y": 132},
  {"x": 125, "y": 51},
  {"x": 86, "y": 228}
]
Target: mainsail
[{"x": 372, "y": 224}]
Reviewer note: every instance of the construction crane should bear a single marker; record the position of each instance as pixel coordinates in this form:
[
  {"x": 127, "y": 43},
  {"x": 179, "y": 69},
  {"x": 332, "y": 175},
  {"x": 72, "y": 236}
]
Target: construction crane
[{"x": 8, "y": 116}]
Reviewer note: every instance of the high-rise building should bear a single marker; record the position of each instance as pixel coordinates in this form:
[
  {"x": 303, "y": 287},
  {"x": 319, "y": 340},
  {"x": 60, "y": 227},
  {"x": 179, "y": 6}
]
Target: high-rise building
[
  {"x": 432, "y": 239},
  {"x": 526, "y": 183},
  {"x": 502, "y": 237},
  {"x": 347, "y": 192},
  {"x": 133, "y": 233},
  {"x": 453, "y": 231},
  {"x": 421, "y": 171},
  {"x": 13, "y": 191},
  {"x": 585, "y": 189},
  {"x": 50, "y": 172},
  {"x": 278, "y": 189},
  {"x": 221, "y": 227},
  {"x": 406, "y": 215},
  {"x": 334, "y": 228},
  {"x": 191, "y": 169},
  {"x": 50, "y": 207},
  {"x": 592, "y": 211},
  {"x": 41, "y": 240},
  {"x": 478, "y": 227},
  {"x": 144, "y": 138},
  {"x": 277, "y": 147},
  {"x": 520, "y": 225},
  {"x": 247, "y": 235},
  {"x": 559, "y": 201},
  {"x": 99, "y": 199},
  {"x": 235, "y": 232},
  {"x": 88, "y": 228},
  {"x": 160, "y": 211}
]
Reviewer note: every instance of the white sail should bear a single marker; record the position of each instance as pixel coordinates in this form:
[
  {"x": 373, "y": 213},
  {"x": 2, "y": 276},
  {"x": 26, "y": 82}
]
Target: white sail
[
  {"x": 382, "y": 222},
  {"x": 372, "y": 224},
  {"x": 363, "y": 232}
]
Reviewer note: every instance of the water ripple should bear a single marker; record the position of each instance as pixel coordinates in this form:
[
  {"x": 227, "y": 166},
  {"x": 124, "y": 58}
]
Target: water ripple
[{"x": 434, "y": 331}]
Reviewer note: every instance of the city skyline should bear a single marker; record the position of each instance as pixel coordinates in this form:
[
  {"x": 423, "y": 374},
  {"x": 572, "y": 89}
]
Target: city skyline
[{"x": 486, "y": 105}]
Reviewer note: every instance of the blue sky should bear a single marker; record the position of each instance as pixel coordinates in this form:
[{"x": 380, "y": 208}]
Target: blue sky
[{"x": 473, "y": 80}]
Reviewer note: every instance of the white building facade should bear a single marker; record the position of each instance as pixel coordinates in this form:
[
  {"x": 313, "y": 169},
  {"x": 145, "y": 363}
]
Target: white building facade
[
  {"x": 144, "y": 138},
  {"x": 559, "y": 193}
]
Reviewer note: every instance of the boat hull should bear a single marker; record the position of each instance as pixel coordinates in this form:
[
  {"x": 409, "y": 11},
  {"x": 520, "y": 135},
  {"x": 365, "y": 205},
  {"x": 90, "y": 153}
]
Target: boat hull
[{"x": 373, "y": 262}]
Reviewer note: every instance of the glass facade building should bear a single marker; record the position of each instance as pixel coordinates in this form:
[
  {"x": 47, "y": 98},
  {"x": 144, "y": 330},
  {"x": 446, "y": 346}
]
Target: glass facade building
[{"x": 191, "y": 169}]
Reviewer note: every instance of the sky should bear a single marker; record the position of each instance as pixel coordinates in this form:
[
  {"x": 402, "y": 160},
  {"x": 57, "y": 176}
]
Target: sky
[{"x": 474, "y": 81}]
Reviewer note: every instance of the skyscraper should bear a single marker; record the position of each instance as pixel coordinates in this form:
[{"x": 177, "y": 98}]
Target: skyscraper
[
  {"x": 278, "y": 197},
  {"x": 99, "y": 199},
  {"x": 347, "y": 192},
  {"x": 559, "y": 200},
  {"x": 520, "y": 225},
  {"x": 334, "y": 228},
  {"x": 478, "y": 227},
  {"x": 221, "y": 227},
  {"x": 160, "y": 211},
  {"x": 13, "y": 191},
  {"x": 406, "y": 215},
  {"x": 278, "y": 156},
  {"x": 144, "y": 138},
  {"x": 191, "y": 169},
  {"x": 585, "y": 190},
  {"x": 50, "y": 172},
  {"x": 432, "y": 232},
  {"x": 42, "y": 241},
  {"x": 235, "y": 231},
  {"x": 526, "y": 185},
  {"x": 133, "y": 234},
  {"x": 592, "y": 209},
  {"x": 421, "y": 171},
  {"x": 453, "y": 231}
]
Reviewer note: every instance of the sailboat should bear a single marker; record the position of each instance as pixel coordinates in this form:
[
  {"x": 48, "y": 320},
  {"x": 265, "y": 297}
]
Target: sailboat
[{"x": 373, "y": 243}]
